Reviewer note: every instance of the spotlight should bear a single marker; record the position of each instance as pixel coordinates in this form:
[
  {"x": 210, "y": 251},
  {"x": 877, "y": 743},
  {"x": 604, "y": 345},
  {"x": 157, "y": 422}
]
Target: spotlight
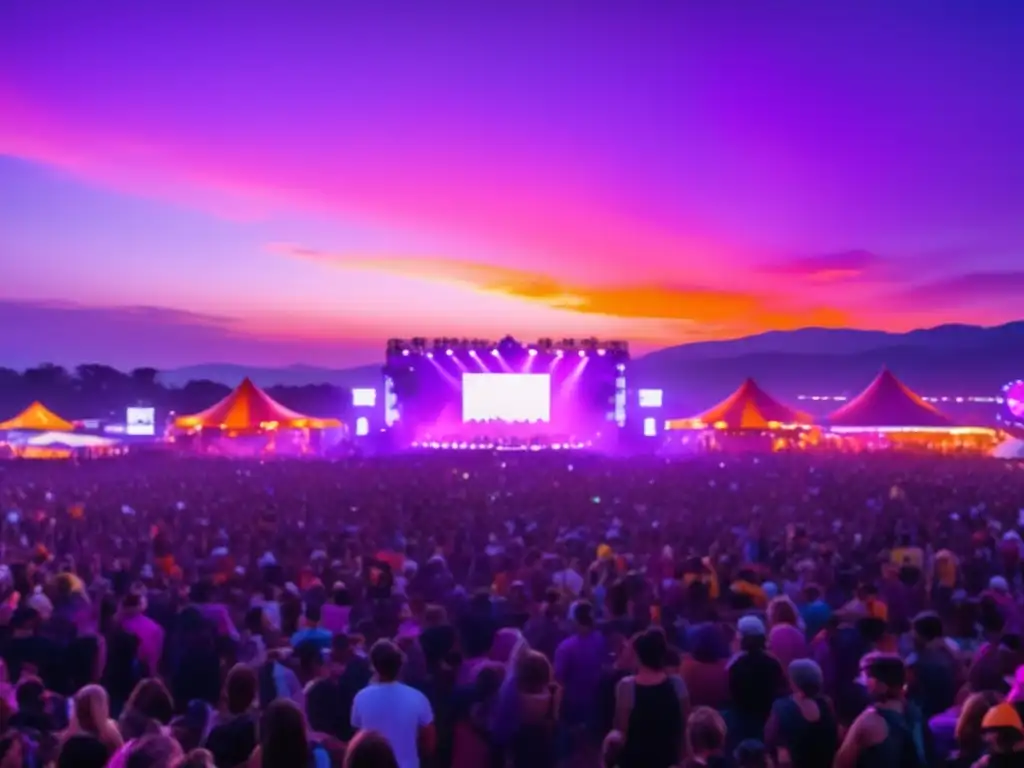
[
  {"x": 601, "y": 352},
  {"x": 533, "y": 353},
  {"x": 558, "y": 353},
  {"x": 449, "y": 352},
  {"x": 495, "y": 352},
  {"x": 472, "y": 353},
  {"x": 405, "y": 353},
  {"x": 430, "y": 355},
  {"x": 583, "y": 353},
  {"x": 620, "y": 368}
]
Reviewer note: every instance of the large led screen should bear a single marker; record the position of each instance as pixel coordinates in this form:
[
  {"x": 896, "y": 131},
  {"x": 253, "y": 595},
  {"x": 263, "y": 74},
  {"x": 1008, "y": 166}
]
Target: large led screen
[
  {"x": 506, "y": 397},
  {"x": 140, "y": 421}
]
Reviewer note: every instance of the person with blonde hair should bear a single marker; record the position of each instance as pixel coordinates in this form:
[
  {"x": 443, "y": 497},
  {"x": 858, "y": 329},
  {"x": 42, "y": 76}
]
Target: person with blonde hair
[{"x": 90, "y": 716}]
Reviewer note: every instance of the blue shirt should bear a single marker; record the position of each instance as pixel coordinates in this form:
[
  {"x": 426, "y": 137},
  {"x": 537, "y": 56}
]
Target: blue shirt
[{"x": 321, "y": 637}]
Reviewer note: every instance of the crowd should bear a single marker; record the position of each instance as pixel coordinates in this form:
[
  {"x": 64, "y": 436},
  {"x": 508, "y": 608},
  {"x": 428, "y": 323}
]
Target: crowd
[{"x": 512, "y": 609}]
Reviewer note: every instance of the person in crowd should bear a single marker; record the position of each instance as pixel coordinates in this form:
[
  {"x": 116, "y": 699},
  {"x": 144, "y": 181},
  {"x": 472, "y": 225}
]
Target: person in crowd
[
  {"x": 234, "y": 734},
  {"x": 284, "y": 740},
  {"x": 370, "y": 749},
  {"x": 155, "y": 751},
  {"x": 935, "y": 674},
  {"x": 705, "y": 669},
  {"x": 312, "y": 632},
  {"x": 891, "y": 732},
  {"x": 756, "y": 679},
  {"x": 579, "y": 660},
  {"x": 786, "y": 641},
  {"x": 651, "y": 707},
  {"x": 151, "y": 700},
  {"x": 706, "y": 740},
  {"x": 82, "y": 751},
  {"x": 1004, "y": 737},
  {"x": 134, "y": 621},
  {"x": 802, "y": 729},
  {"x": 968, "y": 742},
  {"x": 90, "y": 716},
  {"x": 398, "y": 712},
  {"x": 524, "y": 726}
]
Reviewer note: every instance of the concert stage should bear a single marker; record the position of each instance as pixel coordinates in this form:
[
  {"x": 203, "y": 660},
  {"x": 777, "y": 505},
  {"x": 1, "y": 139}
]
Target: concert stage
[{"x": 487, "y": 395}]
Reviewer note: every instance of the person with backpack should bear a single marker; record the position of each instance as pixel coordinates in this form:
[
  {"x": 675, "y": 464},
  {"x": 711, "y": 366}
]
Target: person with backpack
[{"x": 891, "y": 733}]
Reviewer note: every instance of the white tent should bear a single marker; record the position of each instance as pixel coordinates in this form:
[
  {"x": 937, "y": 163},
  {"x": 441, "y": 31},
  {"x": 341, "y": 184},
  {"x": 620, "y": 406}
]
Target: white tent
[{"x": 1011, "y": 449}]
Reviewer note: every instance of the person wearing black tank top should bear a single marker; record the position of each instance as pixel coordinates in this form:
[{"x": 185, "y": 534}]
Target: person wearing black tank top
[
  {"x": 892, "y": 732},
  {"x": 803, "y": 725},
  {"x": 651, "y": 707}
]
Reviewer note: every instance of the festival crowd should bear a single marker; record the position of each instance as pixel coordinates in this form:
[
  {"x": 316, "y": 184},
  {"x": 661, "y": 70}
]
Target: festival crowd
[{"x": 500, "y": 609}]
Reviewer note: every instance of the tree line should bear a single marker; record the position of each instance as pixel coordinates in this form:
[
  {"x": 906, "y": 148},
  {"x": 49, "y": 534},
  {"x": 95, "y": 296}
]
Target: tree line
[{"x": 100, "y": 391}]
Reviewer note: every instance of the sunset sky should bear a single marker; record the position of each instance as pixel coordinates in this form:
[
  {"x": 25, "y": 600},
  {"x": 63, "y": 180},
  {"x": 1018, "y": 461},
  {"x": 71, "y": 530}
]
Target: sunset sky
[{"x": 272, "y": 182}]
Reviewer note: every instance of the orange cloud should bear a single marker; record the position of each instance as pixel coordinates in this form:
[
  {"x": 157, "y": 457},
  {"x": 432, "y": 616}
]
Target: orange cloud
[{"x": 714, "y": 311}]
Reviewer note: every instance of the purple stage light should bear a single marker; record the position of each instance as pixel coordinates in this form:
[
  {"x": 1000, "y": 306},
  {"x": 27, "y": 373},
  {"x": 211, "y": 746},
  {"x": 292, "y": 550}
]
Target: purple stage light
[
  {"x": 472, "y": 353},
  {"x": 582, "y": 353},
  {"x": 430, "y": 355},
  {"x": 558, "y": 353},
  {"x": 601, "y": 352},
  {"x": 495, "y": 352},
  {"x": 405, "y": 353},
  {"x": 533, "y": 353},
  {"x": 449, "y": 352}
]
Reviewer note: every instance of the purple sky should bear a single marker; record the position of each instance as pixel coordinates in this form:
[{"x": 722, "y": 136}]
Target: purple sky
[{"x": 271, "y": 182}]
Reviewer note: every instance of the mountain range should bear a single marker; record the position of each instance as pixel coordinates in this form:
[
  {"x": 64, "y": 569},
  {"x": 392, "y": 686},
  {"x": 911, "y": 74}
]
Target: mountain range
[{"x": 947, "y": 360}]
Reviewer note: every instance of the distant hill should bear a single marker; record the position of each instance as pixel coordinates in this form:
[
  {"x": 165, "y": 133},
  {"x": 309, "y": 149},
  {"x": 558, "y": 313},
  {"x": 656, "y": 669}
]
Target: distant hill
[{"x": 946, "y": 360}]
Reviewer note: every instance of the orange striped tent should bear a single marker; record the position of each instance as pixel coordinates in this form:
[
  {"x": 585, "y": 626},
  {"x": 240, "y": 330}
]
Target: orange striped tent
[
  {"x": 249, "y": 409},
  {"x": 749, "y": 407},
  {"x": 888, "y": 403},
  {"x": 37, "y": 418}
]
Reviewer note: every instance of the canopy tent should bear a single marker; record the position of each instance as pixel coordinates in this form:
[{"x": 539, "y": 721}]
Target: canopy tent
[
  {"x": 888, "y": 404},
  {"x": 748, "y": 408},
  {"x": 36, "y": 418},
  {"x": 249, "y": 409}
]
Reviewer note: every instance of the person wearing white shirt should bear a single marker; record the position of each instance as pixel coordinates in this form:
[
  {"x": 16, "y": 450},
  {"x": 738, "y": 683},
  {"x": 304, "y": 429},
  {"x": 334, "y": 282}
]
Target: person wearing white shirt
[{"x": 399, "y": 713}]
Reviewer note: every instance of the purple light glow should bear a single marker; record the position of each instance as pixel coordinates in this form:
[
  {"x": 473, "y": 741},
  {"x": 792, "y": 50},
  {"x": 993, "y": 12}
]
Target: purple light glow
[{"x": 1014, "y": 394}]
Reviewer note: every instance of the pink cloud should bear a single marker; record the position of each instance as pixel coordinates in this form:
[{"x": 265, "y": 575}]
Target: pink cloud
[{"x": 546, "y": 213}]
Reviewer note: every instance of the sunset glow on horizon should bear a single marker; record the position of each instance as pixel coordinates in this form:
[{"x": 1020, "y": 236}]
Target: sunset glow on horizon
[{"x": 280, "y": 183}]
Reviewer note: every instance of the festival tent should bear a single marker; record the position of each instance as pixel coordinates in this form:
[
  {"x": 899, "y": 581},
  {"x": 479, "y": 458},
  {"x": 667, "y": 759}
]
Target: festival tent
[
  {"x": 888, "y": 404},
  {"x": 249, "y": 409},
  {"x": 1011, "y": 449},
  {"x": 748, "y": 408},
  {"x": 36, "y": 418}
]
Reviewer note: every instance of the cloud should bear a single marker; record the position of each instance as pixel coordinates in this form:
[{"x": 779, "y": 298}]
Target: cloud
[
  {"x": 968, "y": 288},
  {"x": 711, "y": 309},
  {"x": 69, "y": 334},
  {"x": 830, "y": 267}
]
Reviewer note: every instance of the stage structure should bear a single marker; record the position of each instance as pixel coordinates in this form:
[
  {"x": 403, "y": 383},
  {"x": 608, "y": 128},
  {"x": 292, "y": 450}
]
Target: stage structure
[{"x": 473, "y": 394}]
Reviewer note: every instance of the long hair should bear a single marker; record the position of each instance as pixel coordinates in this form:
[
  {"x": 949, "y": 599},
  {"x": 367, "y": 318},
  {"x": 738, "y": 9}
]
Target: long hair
[
  {"x": 370, "y": 750},
  {"x": 152, "y": 699},
  {"x": 283, "y": 741},
  {"x": 91, "y": 709}
]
